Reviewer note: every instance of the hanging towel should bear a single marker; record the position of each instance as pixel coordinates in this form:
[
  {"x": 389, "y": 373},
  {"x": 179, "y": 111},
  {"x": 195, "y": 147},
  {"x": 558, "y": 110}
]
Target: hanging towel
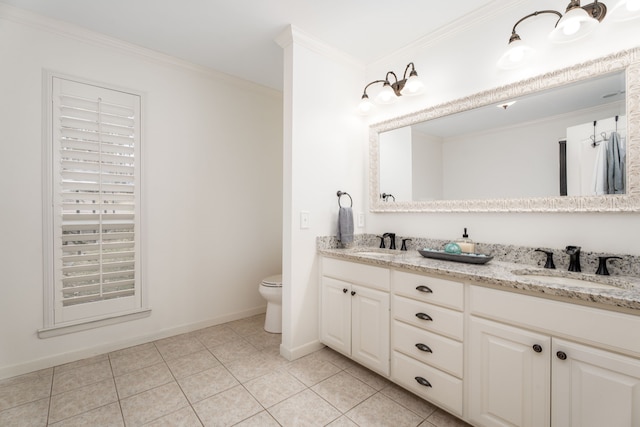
[
  {"x": 616, "y": 155},
  {"x": 345, "y": 225}
]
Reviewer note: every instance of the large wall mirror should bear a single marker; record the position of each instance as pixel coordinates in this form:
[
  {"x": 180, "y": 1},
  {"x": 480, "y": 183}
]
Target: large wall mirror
[{"x": 566, "y": 141}]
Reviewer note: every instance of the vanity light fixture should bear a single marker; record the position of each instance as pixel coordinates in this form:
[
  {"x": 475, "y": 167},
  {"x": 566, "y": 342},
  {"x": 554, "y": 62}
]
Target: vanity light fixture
[
  {"x": 506, "y": 105},
  {"x": 391, "y": 91},
  {"x": 577, "y": 22}
]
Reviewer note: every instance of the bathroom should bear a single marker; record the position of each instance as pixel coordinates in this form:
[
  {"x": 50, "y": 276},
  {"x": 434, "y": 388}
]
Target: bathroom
[{"x": 243, "y": 200}]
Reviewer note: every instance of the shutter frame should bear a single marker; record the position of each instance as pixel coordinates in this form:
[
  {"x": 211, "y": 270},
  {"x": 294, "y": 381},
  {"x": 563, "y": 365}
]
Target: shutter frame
[{"x": 94, "y": 179}]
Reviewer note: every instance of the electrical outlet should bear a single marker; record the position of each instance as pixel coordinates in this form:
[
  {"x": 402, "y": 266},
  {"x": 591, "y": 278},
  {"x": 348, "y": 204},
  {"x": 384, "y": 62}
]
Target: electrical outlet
[{"x": 305, "y": 221}]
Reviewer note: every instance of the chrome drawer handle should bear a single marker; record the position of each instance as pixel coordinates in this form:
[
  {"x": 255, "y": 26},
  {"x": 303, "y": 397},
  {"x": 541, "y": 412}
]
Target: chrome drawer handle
[
  {"x": 423, "y": 288},
  {"x": 424, "y": 347},
  {"x": 423, "y": 382},
  {"x": 423, "y": 316}
]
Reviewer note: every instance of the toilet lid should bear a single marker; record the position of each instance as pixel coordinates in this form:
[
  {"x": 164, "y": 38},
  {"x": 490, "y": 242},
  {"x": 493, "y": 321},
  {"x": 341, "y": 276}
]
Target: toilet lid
[{"x": 274, "y": 281}]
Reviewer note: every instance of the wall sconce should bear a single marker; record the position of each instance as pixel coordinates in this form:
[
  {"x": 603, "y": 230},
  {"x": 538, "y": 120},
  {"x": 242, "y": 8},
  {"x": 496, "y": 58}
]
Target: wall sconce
[
  {"x": 390, "y": 92},
  {"x": 576, "y": 23}
]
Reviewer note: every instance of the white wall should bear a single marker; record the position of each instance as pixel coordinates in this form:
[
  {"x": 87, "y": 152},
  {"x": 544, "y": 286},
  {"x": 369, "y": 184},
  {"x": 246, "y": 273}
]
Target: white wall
[
  {"x": 324, "y": 151},
  {"x": 460, "y": 61},
  {"x": 211, "y": 187}
]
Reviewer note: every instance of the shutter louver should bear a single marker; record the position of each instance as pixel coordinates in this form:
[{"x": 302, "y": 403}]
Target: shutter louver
[{"x": 96, "y": 201}]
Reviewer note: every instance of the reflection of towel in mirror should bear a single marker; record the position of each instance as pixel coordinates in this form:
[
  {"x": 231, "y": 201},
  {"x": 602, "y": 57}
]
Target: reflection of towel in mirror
[
  {"x": 600, "y": 169},
  {"x": 615, "y": 164},
  {"x": 345, "y": 225}
]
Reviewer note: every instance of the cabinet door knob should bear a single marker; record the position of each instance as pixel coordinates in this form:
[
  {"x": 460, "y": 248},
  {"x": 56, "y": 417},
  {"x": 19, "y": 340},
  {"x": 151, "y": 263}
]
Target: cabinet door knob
[
  {"x": 423, "y": 316},
  {"x": 561, "y": 355},
  {"x": 344, "y": 290},
  {"x": 537, "y": 348},
  {"x": 423, "y": 288},
  {"x": 353, "y": 293},
  {"x": 423, "y": 382},
  {"x": 424, "y": 347}
]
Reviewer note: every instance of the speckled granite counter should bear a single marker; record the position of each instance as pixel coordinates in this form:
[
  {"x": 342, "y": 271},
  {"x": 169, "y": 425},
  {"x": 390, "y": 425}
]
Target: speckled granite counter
[{"x": 502, "y": 274}]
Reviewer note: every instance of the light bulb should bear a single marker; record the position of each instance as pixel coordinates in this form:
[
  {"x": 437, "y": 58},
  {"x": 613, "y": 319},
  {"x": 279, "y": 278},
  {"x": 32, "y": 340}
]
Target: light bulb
[
  {"x": 413, "y": 85},
  {"x": 574, "y": 25},
  {"x": 626, "y": 10},
  {"x": 387, "y": 95},
  {"x": 365, "y": 106},
  {"x": 517, "y": 54}
]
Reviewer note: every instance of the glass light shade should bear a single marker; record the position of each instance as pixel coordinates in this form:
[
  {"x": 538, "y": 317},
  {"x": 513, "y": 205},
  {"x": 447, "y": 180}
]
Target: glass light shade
[
  {"x": 413, "y": 86},
  {"x": 574, "y": 25},
  {"x": 625, "y": 10},
  {"x": 365, "y": 106},
  {"x": 516, "y": 55},
  {"x": 386, "y": 95}
]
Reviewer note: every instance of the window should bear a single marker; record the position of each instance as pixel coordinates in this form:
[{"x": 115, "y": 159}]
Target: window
[{"x": 93, "y": 209}]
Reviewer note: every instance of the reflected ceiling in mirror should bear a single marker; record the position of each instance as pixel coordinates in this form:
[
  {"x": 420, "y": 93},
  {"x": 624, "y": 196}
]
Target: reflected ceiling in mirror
[{"x": 474, "y": 155}]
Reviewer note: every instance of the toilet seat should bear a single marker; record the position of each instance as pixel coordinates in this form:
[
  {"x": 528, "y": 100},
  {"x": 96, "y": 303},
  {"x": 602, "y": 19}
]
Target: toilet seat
[{"x": 274, "y": 281}]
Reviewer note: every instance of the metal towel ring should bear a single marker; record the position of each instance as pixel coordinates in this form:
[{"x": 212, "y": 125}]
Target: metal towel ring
[{"x": 342, "y": 193}]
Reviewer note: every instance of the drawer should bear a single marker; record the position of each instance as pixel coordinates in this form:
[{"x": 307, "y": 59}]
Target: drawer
[
  {"x": 366, "y": 275},
  {"x": 444, "y": 389},
  {"x": 442, "y": 353},
  {"x": 429, "y": 289},
  {"x": 443, "y": 320}
]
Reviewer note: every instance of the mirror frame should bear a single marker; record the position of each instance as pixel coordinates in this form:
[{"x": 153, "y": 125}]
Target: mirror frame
[{"x": 629, "y": 202}]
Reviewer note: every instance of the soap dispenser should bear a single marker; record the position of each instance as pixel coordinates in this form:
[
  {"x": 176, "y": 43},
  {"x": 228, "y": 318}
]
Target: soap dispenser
[{"x": 466, "y": 244}]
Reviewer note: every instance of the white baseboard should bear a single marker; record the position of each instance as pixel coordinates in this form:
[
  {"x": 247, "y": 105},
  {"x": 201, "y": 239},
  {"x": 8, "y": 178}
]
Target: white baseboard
[
  {"x": 298, "y": 352},
  {"x": 60, "y": 359}
]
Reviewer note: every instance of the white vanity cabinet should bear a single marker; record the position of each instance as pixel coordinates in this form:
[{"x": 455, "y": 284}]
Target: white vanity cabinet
[
  {"x": 525, "y": 368},
  {"x": 354, "y": 312},
  {"x": 427, "y": 331}
]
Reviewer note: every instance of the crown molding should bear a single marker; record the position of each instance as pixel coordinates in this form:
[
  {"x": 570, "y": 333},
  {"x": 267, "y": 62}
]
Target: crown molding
[
  {"x": 293, "y": 35},
  {"x": 77, "y": 33}
]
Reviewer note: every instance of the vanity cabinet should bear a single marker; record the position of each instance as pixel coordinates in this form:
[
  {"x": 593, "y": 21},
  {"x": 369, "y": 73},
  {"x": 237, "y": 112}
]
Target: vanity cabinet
[
  {"x": 354, "y": 312},
  {"x": 522, "y": 371},
  {"x": 427, "y": 332}
]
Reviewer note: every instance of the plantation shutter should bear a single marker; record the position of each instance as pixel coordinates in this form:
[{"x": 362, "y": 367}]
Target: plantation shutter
[{"x": 96, "y": 194}]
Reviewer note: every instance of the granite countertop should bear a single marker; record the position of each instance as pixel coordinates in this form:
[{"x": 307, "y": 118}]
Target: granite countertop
[{"x": 625, "y": 296}]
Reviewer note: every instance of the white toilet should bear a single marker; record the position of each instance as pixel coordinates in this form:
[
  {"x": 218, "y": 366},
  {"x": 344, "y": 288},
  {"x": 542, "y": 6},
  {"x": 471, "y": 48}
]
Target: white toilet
[{"x": 271, "y": 289}]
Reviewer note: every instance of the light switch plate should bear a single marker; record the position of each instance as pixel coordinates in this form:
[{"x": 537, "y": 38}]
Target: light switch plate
[
  {"x": 305, "y": 221},
  {"x": 360, "y": 219}
]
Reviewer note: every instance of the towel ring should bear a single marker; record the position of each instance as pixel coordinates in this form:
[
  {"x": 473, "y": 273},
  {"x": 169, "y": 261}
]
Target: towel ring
[{"x": 342, "y": 193}]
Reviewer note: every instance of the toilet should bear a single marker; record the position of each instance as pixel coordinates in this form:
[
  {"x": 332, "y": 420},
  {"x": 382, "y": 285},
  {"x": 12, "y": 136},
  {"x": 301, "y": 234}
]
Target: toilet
[{"x": 271, "y": 289}]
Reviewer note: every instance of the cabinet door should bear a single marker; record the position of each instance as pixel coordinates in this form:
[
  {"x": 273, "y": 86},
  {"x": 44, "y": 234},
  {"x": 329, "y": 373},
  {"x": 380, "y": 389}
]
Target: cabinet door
[
  {"x": 509, "y": 379},
  {"x": 594, "y": 388},
  {"x": 370, "y": 328},
  {"x": 335, "y": 314}
]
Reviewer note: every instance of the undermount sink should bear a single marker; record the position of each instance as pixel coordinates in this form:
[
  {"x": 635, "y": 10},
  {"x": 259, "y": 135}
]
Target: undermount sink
[
  {"x": 568, "y": 281},
  {"x": 374, "y": 253}
]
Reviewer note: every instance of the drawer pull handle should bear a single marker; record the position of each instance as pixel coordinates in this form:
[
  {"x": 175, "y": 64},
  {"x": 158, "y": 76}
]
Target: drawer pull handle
[
  {"x": 353, "y": 293},
  {"x": 561, "y": 355},
  {"x": 537, "y": 348},
  {"x": 424, "y": 347},
  {"x": 423, "y": 316},
  {"x": 344, "y": 290},
  {"x": 423, "y": 382},
  {"x": 423, "y": 288}
]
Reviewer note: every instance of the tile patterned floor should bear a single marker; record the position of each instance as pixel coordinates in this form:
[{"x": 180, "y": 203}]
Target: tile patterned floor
[{"x": 225, "y": 375}]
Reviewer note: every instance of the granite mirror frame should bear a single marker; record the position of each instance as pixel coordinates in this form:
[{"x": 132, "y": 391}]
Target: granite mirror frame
[{"x": 627, "y": 60}]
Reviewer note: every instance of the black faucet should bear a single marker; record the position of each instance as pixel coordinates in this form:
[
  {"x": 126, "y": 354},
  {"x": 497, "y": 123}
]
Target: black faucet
[
  {"x": 549, "y": 263},
  {"x": 574, "y": 258},
  {"x": 602, "y": 265},
  {"x": 392, "y": 239},
  {"x": 382, "y": 246},
  {"x": 404, "y": 244}
]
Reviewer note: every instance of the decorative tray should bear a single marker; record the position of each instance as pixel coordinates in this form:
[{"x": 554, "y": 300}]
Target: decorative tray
[{"x": 466, "y": 258}]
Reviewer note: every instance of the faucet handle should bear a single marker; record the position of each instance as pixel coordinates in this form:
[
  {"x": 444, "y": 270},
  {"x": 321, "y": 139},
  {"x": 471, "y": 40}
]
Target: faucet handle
[
  {"x": 404, "y": 244},
  {"x": 549, "y": 263},
  {"x": 602, "y": 264}
]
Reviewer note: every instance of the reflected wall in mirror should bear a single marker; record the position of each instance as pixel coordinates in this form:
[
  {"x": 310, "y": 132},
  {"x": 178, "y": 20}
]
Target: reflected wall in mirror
[{"x": 478, "y": 154}]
